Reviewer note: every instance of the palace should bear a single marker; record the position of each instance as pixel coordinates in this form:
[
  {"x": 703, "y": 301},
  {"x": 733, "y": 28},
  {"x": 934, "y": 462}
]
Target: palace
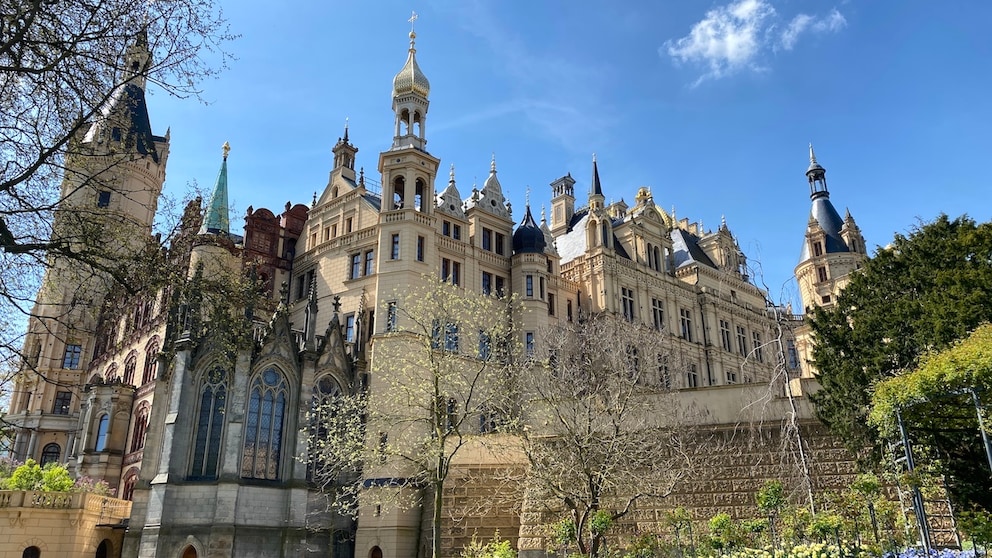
[{"x": 142, "y": 391}]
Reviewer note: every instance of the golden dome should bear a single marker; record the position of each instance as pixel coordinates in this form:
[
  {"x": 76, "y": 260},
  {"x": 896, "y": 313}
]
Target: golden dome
[{"x": 410, "y": 79}]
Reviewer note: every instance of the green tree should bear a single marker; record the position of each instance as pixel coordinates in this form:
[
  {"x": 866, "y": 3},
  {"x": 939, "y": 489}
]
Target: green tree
[
  {"x": 919, "y": 294},
  {"x": 31, "y": 476}
]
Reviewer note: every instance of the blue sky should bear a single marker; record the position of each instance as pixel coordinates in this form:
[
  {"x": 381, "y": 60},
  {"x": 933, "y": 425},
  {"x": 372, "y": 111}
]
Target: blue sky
[{"x": 710, "y": 104}]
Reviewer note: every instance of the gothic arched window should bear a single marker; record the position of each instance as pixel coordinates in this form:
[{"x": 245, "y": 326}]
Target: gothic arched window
[
  {"x": 209, "y": 424},
  {"x": 129, "y": 367},
  {"x": 101, "y": 433},
  {"x": 140, "y": 428},
  {"x": 264, "y": 425},
  {"x": 322, "y": 406},
  {"x": 50, "y": 454},
  {"x": 130, "y": 479},
  {"x": 151, "y": 363}
]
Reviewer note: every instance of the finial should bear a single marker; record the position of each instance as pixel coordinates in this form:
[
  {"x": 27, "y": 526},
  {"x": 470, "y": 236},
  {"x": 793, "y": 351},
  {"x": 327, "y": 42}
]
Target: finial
[
  {"x": 451, "y": 174},
  {"x": 593, "y": 157},
  {"x": 492, "y": 165},
  {"x": 413, "y": 34},
  {"x": 346, "y": 129},
  {"x": 723, "y": 221},
  {"x": 812, "y": 156},
  {"x": 361, "y": 175},
  {"x": 527, "y": 197},
  {"x": 544, "y": 216},
  {"x": 314, "y": 204},
  {"x": 226, "y": 148},
  {"x": 337, "y": 303}
]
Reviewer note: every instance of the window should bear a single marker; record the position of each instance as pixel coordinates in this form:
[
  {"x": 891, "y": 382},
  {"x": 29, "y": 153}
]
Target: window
[
  {"x": 756, "y": 343},
  {"x": 530, "y": 285},
  {"x": 63, "y": 402},
  {"x": 420, "y": 248},
  {"x": 334, "y": 230},
  {"x": 741, "y": 340},
  {"x": 324, "y": 404},
  {"x": 487, "y": 283},
  {"x": 71, "y": 357},
  {"x": 347, "y": 225},
  {"x": 821, "y": 274},
  {"x": 487, "y": 239},
  {"x": 445, "y": 268},
  {"x": 31, "y": 552},
  {"x": 500, "y": 286},
  {"x": 130, "y": 365},
  {"x": 101, "y": 433},
  {"x": 140, "y": 429},
  {"x": 725, "y": 335},
  {"x": 50, "y": 454},
  {"x": 391, "y": 316},
  {"x": 394, "y": 253},
  {"x": 103, "y": 199},
  {"x": 369, "y": 262},
  {"x": 263, "y": 426},
  {"x": 349, "y": 328},
  {"x": 731, "y": 375},
  {"x": 356, "y": 267},
  {"x": 658, "y": 313},
  {"x": 664, "y": 377},
  {"x": 568, "y": 310},
  {"x": 485, "y": 345},
  {"x": 209, "y": 425},
  {"x": 451, "y": 271},
  {"x": 826, "y": 299},
  {"x": 551, "y": 304},
  {"x": 685, "y": 321},
  {"x": 627, "y": 301},
  {"x": 529, "y": 343},
  {"x": 817, "y": 248},
  {"x": 792, "y": 354},
  {"x": 151, "y": 365},
  {"x": 692, "y": 377},
  {"x": 127, "y": 493},
  {"x": 451, "y": 337},
  {"x": 500, "y": 243},
  {"x": 541, "y": 283},
  {"x": 456, "y": 232},
  {"x": 446, "y": 228}
]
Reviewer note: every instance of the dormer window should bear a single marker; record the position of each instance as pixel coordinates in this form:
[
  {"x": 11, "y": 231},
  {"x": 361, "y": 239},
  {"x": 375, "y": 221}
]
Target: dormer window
[{"x": 817, "y": 248}]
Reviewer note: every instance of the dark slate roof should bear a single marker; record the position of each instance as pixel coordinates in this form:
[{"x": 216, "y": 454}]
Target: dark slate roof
[
  {"x": 127, "y": 108},
  {"x": 830, "y": 221},
  {"x": 528, "y": 238},
  {"x": 687, "y": 251},
  {"x": 374, "y": 200},
  {"x": 597, "y": 189}
]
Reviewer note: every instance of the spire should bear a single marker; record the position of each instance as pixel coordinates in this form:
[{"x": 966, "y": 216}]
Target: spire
[
  {"x": 346, "y": 129},
  {"x": 597, "y": 189},
  {"x": 344, "y": 152},
  {"x": 216, "y": 221},
  {"x": 138, "y": 59},
  {"x": 410, "y": 78}
]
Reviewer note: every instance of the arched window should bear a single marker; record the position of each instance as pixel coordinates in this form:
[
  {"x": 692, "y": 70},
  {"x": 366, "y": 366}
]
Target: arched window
[
  {"x": 189, "y": 552},
  {"x": 606, "y": 235},
  {"x": 31, "y": 552},
  {"x": 209, "y": 424},
  {"x": 131, "y": 479},
  {"x": 110, "y": 376},
  {"x": 103, "y": 551},
  {"x": 50, "y": 454},
  {"x": 151, "y": 364},
  {"x": 101, "y": 433},
  {"x": 140, "y": 428},
  {"x": 263, "y": 426},
  {"x": 129, "y": 367},
  {"x": 325, "y": 392}
]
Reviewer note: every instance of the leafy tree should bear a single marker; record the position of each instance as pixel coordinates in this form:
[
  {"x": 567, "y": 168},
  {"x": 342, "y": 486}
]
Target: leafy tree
[
  {"x": 31, "y": 476},
  {"x": 603, "y": 431},
  {"x": 917, "y": 295},
  {"x": 771, "y": 499}
]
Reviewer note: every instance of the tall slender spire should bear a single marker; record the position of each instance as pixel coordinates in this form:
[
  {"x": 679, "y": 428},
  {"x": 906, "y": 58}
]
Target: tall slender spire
[
  {"x": 217, "y": 220},
  {"x": 597, "y": 189}
]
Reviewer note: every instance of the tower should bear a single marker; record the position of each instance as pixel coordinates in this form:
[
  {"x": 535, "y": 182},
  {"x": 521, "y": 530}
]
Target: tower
[
  {"x": 114, "y": 171},
  {"x": 833, "y": 247}
]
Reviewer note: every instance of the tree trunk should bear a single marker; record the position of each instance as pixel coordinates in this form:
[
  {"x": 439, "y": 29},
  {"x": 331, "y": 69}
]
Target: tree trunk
[{"x": 436, "y": 526}]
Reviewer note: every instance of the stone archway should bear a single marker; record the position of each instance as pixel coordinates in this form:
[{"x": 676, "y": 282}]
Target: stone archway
[{"x": 376, "y": 552}]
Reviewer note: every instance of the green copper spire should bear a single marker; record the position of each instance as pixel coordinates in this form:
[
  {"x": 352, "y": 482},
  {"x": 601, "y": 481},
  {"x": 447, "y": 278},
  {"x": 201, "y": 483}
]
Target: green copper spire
[{"x": 216, "y": 221}]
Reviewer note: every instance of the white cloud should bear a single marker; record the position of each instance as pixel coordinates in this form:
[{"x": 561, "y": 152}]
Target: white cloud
[
  {"x": 733, "y": 37},
  {"x": 834, "y": 22},
  {"x": 727, "y": 39}
]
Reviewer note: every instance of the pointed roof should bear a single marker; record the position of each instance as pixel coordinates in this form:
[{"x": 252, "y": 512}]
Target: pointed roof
[
  {"x": 595, "y": 188},
  {"x": 528, "y": 238},
  {"x": 490, "y": 199},
  {"x": 813, "y": 165},
  {"x": 217, "y": 220},
  {"x": 449, "y": 200}
]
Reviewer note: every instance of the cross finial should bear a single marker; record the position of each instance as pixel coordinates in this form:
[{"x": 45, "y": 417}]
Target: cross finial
[
  {"x": 226, "y": 148},
  {"x": 593, "y": 157},
  {"x": 413, "y": 18},
  {"x": 527, "y": 197}
]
